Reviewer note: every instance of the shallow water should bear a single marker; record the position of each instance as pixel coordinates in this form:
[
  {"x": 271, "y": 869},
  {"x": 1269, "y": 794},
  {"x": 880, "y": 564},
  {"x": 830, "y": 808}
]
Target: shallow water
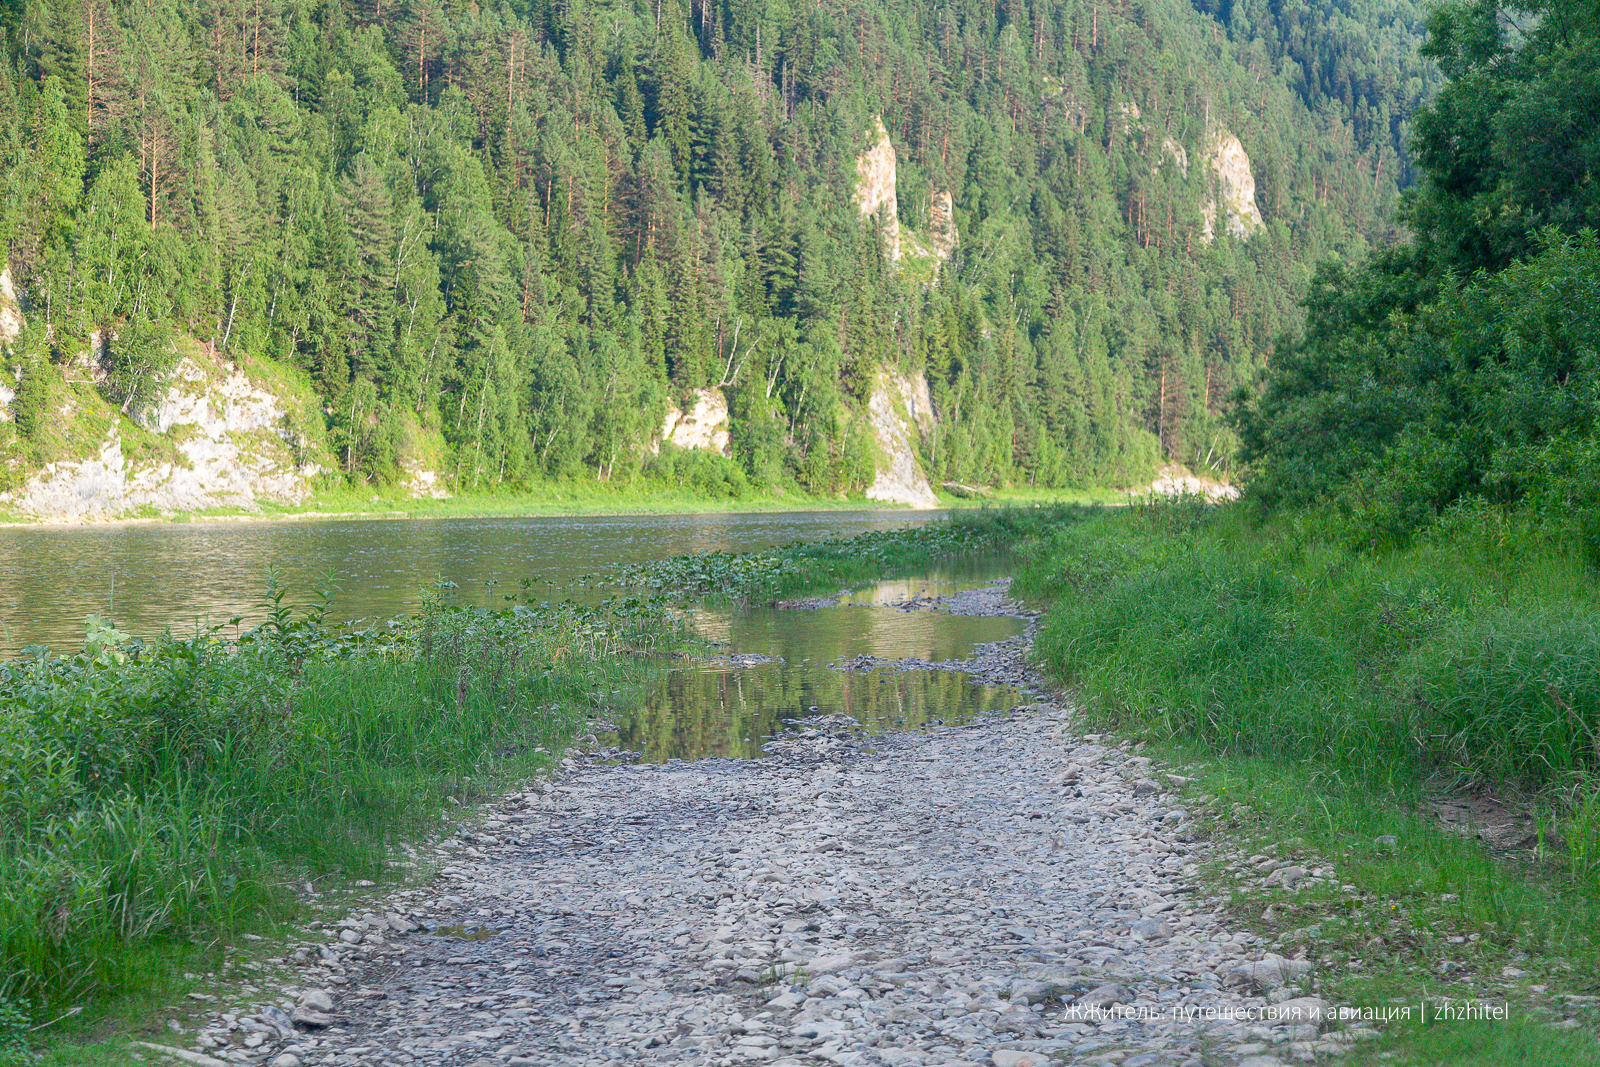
[
  {"x": 718, "y": 708},
  {"x": 152, "y": 577},
  {"x": 184, "y": 575}
]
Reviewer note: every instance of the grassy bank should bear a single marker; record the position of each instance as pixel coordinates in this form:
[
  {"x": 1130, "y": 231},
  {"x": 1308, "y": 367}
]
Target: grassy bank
[
  {"x": 826, "y": 566},
  {"x": 598, "y": 498},
  {"x": 1329, "y": 699},
  {"x": 584, "y": 498},
  {"x": 157, "y": 797}
]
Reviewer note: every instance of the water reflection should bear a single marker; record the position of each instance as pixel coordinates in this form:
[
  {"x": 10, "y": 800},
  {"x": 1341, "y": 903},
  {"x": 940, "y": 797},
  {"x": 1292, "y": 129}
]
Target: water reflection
[
  {"x": 733, "y": 711},
  {"x": 721, "y": 710},
  {"x": 151, "y": 577}
]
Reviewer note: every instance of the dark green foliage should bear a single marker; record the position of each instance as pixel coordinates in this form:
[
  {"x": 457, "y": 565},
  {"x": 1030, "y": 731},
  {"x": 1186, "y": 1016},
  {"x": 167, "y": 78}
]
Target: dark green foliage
[
  {"x": 137, "y": 363},
  {"x": 1461, "y": 370},
  {"x": 529, "y": 230},
  {"x": 38, "y": 391},
  {"x": 1406, "y": 398},
  {"x": 1510, "y": 146},
  {"x": 1353, "y": 62}
]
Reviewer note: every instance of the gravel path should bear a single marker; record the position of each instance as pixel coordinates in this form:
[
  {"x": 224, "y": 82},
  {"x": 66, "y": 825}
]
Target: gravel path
[{"x": 1007, "y": 892}]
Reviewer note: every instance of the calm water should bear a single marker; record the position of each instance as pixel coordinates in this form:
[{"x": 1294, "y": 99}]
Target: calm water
[
  {"x": 149, "y": 578},
  {"x": 715, "y": 709}
]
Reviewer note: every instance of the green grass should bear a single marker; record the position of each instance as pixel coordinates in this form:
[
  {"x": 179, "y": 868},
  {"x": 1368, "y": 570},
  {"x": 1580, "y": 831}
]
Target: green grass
[
  {"x": 155, "y": 798},
  {"x": 1522, "y": 1039},
  {"x": 1471, "y": 657},
  {"x": 811, "y": 566},
  {"x": 595, "y": 498},
  {"x": 585, "y": 498},
  {"x": 1324, "y": 696}
]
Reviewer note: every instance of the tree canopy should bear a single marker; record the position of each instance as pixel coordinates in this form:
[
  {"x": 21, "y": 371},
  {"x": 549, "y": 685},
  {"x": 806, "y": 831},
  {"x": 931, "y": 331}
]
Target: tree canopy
[
  {"x": 1460, "y": 369},
  {"x": 524, "y": 228}
]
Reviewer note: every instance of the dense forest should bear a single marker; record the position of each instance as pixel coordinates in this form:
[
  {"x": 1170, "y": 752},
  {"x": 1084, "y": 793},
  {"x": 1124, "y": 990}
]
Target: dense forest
[
  {"x": 522, "y": 230},
  {"x": 1459, "y": 372}
]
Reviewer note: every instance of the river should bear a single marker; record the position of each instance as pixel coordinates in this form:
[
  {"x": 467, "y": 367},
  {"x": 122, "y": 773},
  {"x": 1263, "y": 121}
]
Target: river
[
  {"x": 157, "y": 576},
  {"x": 148, "y": 578}
]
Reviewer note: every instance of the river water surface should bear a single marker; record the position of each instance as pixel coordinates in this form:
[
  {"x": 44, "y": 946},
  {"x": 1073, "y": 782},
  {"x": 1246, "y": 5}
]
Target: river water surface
[
  {"x": 148, "y": 578},
  {"x": 151, "y": 577}
]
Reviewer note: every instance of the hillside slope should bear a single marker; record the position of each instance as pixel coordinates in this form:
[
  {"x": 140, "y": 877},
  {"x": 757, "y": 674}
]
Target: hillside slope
[{"x": 533, "y": 229}]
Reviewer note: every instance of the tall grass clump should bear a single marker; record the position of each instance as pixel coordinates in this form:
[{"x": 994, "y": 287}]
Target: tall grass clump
[
  {"x": 1471, "y": 656},
  {"x": 152, "y": 793}
]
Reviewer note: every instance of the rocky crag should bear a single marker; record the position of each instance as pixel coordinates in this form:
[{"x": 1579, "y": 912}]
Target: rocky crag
[
  {"x": 1235, "y": 199},
  {"x": 898, "y": 408},
  {"x": 703, "y": 427},
  {"x": 877, "y": 195},
  {"x": 228, "y": 441}
]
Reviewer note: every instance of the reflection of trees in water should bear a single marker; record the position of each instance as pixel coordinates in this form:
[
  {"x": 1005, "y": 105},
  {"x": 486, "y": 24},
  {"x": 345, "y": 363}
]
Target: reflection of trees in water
[
  {"x": 175, "y": 574},
  {"x": 731, "y": 712}
]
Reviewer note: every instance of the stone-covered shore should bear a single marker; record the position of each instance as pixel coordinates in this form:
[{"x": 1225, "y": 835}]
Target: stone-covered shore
[{"x": 1005, "y": 892}]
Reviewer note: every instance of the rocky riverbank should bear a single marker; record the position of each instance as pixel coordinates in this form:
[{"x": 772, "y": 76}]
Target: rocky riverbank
[{"x": 1005, "y": 892}]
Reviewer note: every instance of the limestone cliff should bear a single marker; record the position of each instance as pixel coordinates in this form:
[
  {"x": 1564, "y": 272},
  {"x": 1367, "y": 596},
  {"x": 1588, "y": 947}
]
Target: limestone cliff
[
  {"x": 1172, "y": 150},
  {"x": 11, "y": 321},
  {"x": 1236, "y": 189},
  {"x": 216, "y": 439},
  {"x": 899, "y": 405},
  {"x": 1227, "y": 167},
  {"x": 875, "y": 187},
  {"x": 1175, "y": 481},
  {"x": 704, "y": 426},
  {"x": 942, "y": 238},
  {"x": 876, "y": 196}
]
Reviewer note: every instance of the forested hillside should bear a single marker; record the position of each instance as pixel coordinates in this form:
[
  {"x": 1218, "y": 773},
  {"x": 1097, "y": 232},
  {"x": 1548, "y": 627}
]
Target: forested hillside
[{"x": 524, "y": 229}]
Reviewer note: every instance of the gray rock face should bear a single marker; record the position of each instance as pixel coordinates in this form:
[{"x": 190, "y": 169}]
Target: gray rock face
[
  {"x": 1105, "y": 996},
  {"x": 311, "y": 1019},
  {"x": 278, "y": 1020},
  {"x": 1150, "y": 929},
  {"x": 316, "y": 1000}
]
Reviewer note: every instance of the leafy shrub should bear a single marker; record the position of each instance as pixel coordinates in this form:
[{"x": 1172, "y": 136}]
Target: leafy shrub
[
  {"x": 1389, "y": 415},
  {"x": 13, "y": 1032}
]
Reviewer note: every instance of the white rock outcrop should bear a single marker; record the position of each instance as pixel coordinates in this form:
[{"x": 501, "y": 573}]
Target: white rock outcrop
[
  {"x": 1172, "y": 481},
  {"x": 11, "y": 320},
  {"x": 875, "y": 187},
  {"x": 1174, "y": 151},
  {"x": 233, "y": 448},
  {"x": 704, "y": 427},
  {"x": 899, "y": 404},
  {"x": 877, "y": 197},
  {"x": 1236, "y": 202},
  {"x": 942, "y": 236},
  {"x": 425, "y": 483}
]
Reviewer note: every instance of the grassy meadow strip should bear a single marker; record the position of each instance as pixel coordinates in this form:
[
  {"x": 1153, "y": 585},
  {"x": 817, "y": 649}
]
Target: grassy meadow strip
[
  {"x": 1324, "y": 697},
  {"x": 812, "y": 566},
  {"x": 157, "y": 795},
  {"x": 1471, "y": 659}
]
